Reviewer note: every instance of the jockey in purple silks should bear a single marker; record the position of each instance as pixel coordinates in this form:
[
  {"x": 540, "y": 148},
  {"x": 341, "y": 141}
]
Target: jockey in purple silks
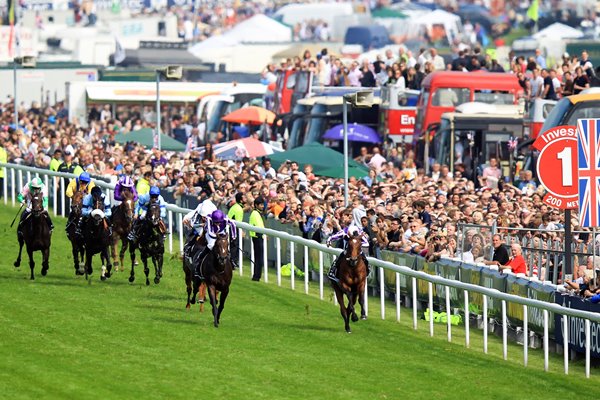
[
  {"x": 216, "y": 224},
  {"x": 346, "y": 233},
  {"x": 125, "y": 182}
]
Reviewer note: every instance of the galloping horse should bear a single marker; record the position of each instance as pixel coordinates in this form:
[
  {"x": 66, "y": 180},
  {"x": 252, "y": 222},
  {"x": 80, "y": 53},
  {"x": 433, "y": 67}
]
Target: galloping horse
[
  {"x": 122, "y": 220},
  {"x": 189, "y": 274},
  {"x": 76, "y": 246},
  {"x": 151, "y": 244},
  {"x": 96, "y": 239},
  {"x": 353, "y": 277},
  {"x": 216, "y": 271},
  {"x": 35, "y": 233}
]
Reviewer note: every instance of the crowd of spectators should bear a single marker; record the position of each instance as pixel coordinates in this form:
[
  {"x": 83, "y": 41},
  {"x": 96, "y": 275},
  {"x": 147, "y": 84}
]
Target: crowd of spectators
[{"x": 401, "y": 207}]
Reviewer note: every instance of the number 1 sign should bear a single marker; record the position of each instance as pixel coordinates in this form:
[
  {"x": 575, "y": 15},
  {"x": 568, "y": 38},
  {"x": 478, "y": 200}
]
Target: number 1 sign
[{"x": 557, "y": 166}]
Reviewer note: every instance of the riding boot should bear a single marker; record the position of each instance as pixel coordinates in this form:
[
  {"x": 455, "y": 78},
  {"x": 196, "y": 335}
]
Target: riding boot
[
  {"x": 79, "y": 231},
  {"x": 133, "y": 234},
  {"x": 187, "y": 248},
  {"x": 49, "y": 221},
  {"x": 366, "y": 263},
  {"x": 332, "y": 274}
]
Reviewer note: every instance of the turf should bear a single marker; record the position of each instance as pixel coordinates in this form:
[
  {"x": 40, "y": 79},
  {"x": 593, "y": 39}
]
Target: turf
[{"x": 62, "y": 337}]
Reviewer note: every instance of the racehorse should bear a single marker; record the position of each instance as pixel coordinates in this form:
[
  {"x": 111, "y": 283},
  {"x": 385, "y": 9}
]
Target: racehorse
[
  {"x": 189, "y": 274},
  {"x": 35, "y": 234},
  {"x": 216, "y": 271},
  {"x": 150, "y": 243},
  {"x": 96, "y": 238},
  {"x": 76, "y": 246},
  {"x": 352, "y": 273},
  {"x": 122, "y": 220}
]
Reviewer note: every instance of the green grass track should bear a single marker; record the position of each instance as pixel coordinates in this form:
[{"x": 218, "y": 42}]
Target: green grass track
[{"x": 64, "y": 338}]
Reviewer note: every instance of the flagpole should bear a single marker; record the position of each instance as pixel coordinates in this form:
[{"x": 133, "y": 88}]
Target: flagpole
[{"x": 568, "y": 262}]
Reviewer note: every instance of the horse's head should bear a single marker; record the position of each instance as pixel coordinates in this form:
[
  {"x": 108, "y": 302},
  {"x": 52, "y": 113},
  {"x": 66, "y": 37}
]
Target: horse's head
[
  {"x": 127, "y": 204},
  {"x": 97, "y": 207},
  {"x": 154, "y": 213},
  {"x": 37, "y": 202},
  {"x": 221, "y": 249},
  {"x": 76, "y": 202},
  {"x": 354, "y": 249}
]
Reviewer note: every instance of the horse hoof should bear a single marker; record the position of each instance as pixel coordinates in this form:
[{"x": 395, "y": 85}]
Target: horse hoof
[
  {"x": 363, "y": 317},
  {"x": 131, "y": 279},
  {"x": 157, "y": 280},
  {"x": 79, "y": 272},
  {"x": 188, "y": 306},
  {"x": 44, "y": 271},
  {"x": 348, "y": 331},
  {"x": 147, "y": 282},
  {"x": 103, "y": 278},
  {"x": 354, "y": 318},
  {"x": 216, "y": 324},
  {"x": 32, "y": 278},
  {"x": 17, "y": 264}
]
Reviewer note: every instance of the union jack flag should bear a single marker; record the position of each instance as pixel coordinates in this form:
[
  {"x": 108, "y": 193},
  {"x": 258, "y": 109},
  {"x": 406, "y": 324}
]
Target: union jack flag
[{"x": 588, "y": 138}]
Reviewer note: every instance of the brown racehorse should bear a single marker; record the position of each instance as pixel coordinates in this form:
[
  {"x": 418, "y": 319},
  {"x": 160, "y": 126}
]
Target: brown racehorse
[
  {"x": 35, "y": 234},
  {"x": 76, "y": 245},
  {"x": 216, "y": 271},
  {"x": 151, "y": 244},
  {"x": 353, "y": 278},
  {"x": 122, "y": 220},
  {"x": 96, "y": 237}
]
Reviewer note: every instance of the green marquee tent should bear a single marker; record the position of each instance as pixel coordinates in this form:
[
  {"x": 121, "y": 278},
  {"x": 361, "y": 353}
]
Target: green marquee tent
[
  {"x": 322, "y": 158},
  {"x": 145, "y": 137}
]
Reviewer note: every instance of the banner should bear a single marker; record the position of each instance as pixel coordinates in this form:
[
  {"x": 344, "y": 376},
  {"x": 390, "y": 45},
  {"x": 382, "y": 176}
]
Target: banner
[
  {"x": 389, "y": 277},
  {"x": 422, "y": 285},
  {"x": 518, "y": 287},
  {"x": 535, "y": 316},
  {"x": 449, "y": 269},
  {"x": 576, "y": 326},
  {"x": 470, "y": 273},
  {"x": 493, "y": 280}
]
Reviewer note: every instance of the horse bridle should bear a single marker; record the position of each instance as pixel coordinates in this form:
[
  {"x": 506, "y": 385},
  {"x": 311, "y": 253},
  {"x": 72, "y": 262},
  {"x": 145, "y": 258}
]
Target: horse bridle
[
  {"x": 353, "y": 261},
  {"x": 221, "y": 260}
]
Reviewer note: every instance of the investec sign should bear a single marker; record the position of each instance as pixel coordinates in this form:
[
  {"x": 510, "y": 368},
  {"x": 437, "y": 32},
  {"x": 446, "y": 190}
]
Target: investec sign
[
  {"x": 576, "y": 326},
  {"x": 557, "y": 166}
]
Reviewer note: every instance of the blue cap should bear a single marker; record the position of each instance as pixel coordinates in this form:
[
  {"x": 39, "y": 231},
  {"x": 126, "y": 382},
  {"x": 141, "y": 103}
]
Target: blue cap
[
  {"x": 84, "y": 177},
  {"x": 52, "y": 119},
  {"x": 154, "y": 191}
]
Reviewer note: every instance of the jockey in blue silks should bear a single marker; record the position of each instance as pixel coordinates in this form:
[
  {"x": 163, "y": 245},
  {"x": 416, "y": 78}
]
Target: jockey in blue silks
[
  {"x": 345, "y": 233},
  {"x": 87, "y": 208},
  {"x": 144, "y": 201}
]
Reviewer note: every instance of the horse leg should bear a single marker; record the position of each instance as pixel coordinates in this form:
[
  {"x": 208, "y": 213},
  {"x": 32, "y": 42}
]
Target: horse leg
[
  {"x": 132, "y": 255},
  {"x": 222, "y": 298},
  {"x": 107, "y": 261},
  {"x": 113, "y": 252},
  {"x": 157, "y": 260},
  {"x": 188, "y": 284},
  {"x": 88, "y": 262},
  {"x": 212, "y": 295},
  {"x": 339, "y": 294},
  {"x": 202, "y": 296},
  {"x": 146, "y": 269},
  {"x": 361, "y": 299},
  {"x": 351, "y": 308},
  {"x": 31, "y": 262},
  {"x": 45, "y": 260},
  {"x": 195, "y": 287},
  {"x": 17, "y": 263},
  {"x": 124, "y": 246}
]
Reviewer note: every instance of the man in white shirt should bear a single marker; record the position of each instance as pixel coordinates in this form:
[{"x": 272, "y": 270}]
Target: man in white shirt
[{"x": 377, "y": 160}]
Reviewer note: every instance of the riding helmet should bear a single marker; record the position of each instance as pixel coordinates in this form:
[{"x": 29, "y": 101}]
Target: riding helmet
[
  {"x": 154, "y": 191},
  {"x": 96, "y": 191},
  {"x": 84, "y": 177},
  {"x": 126, "y": 181},
  {"x": 36, "y": 183},
  {"x": 217, "y": 216}
]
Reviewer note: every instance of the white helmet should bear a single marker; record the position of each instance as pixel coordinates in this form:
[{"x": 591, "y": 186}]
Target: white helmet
[
  {"x": 353, "y": 230},
  {"x": 207, "y": 208},
  {"x": 97, "y": 214}
]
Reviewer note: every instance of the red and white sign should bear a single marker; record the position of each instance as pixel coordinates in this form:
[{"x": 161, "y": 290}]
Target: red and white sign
[
  {"x": 402, "y": 122},
  {"x": 557, "y": 166}
]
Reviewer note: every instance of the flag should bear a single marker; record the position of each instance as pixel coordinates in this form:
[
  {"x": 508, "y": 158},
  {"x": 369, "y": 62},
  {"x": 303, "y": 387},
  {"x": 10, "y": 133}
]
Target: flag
[
  {"x": 119, "y": 55},
  {"x": 11, "y": 22},
  {"x": 533, "y": 12},
  {"x": 588, "y": 131}
]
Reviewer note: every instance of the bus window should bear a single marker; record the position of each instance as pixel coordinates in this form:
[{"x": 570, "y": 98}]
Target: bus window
[
  {"x": 585, "y": 110},
  {"x": 407, "y": 99},
  {"x": 494, "y": 97},
  {"x": 449, "y": 97},
  {"x": 547, "y": 108},
  {"x": 291, "y": 82},
  {"x": 302, "y": 81}
]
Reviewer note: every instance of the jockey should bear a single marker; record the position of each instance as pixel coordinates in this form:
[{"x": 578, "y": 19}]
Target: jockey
[
  {"x": 216, "y": 224},
  {"x": 347, "y": 233},
  {"x": 141, "y": 209},
  {"x": 25, "y": 196},
  {"x": 125, "y": 182},
  {"x": 196, "y": 220},
  {"x": 88, "y": 207},
  {"x": 83, "y": 183}
]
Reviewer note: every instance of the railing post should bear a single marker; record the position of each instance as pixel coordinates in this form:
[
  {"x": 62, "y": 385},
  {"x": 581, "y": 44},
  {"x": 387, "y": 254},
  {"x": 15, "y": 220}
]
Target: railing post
[
  {"x": 320, "y": 274},
  {"x": 381, "y": 291},
  {"x": 62, "y": 196},
  {"x": 525, "y": 336},
  {"x": 28, "y": 176},
  {"x": 241, "y": 251},
  {"x": 565, "y": 328},
  {"x": 414, "y": 301},
  {"x": 20, "y": 176},
  {"x": 546, "y": 349},
  {"x": 448, "y": 314},
  {"x": 13, "y": 188},
  {"x": 55, "y": 195},
  {"x": 366, "y": 299},
  {"x": 587, "y": 347},
  {"x": 5, "y": 186},
  {"x": 485, "y": 324},
  {"x": 430, "y": 305},
  {"x": 306, "y": 269},
  {"x": 170, "y": 219},
  {"x": 398, "y": 297},
  {"x": 292, "y": 268},
  {"x": 265, "y": 261},
  {"x": 278, "y": 260},
  {"x": 180, "y": 228},
  {"x": 467, "y": 317},
  {"x": 252, "y": 257},
  {"x": 504, "y": 331}
]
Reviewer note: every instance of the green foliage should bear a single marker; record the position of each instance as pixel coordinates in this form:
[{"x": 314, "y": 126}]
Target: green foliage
[{"x": 62, "y": 337}]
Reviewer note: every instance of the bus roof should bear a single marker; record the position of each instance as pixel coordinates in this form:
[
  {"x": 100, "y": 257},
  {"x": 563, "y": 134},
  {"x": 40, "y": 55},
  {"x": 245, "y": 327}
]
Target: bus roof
[
  {"x": 483, "y": 117},
  {"x": 329, "y": 100},
  {"x": 584, "y": 97},
  {"x": 483, "y": 80},
  {"x": 177, "y": 92}
]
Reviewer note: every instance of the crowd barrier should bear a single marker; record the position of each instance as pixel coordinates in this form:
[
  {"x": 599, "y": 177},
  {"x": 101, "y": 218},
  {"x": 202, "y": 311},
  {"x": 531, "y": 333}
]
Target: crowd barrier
[{"x": 447, "y": 284}]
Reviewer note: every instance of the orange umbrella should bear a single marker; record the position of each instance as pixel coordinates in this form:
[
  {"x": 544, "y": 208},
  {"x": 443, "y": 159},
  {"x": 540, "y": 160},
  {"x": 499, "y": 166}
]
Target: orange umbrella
[{"x": 251, "y": 116}]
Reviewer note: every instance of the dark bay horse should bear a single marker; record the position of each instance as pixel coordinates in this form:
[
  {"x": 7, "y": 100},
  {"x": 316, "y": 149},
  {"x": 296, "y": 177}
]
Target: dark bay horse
[
  {"x": 353, "y": 278},
  {"x": 96, "y": 238},
  {"x": 151, "y": 244},
  {"x": 216, "y": 271},
  {"x": 199, "y": 244},
  {"x": 35, "y": 234},
  {"x": 122, "y": 220},
  {"x": 76, "y": 244}
]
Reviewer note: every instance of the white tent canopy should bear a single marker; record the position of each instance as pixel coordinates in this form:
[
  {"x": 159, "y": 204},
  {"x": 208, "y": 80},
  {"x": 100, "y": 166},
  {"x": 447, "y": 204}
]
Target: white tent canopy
[
  {"x": 257, "y": 29},
  {"x": 559, "y": 31},
  {"x": 451, "y": 22}
]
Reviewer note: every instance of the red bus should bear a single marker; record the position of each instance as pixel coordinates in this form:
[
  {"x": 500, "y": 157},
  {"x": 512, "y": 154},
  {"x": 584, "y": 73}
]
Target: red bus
[
  {"x": 444, "y": 90},
  {"x": 399, "y": 111}
]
